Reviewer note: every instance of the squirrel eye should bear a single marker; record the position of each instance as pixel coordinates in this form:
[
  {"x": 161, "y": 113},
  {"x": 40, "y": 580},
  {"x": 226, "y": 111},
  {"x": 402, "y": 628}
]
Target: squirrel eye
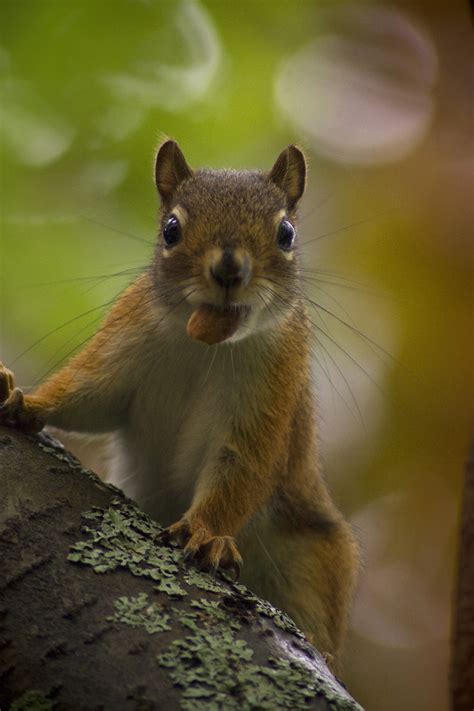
[
  {"x": 286, "y": 236},
  {"x": 171, "y": 232}
]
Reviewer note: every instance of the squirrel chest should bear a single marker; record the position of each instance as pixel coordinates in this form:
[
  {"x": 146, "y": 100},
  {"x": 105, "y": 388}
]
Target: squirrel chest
[{"x": 187, "y": 397}]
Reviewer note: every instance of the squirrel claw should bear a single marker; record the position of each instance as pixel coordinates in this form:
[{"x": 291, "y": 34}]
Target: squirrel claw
[
  {"x": 218, "y": 552},
  {"x": 211, "y": 552}
]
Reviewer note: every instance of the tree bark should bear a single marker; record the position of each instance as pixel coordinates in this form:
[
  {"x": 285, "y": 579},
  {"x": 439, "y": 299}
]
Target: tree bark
[
  {"x": 95, "y": 613},
  {"x": 462, "y": 669}
]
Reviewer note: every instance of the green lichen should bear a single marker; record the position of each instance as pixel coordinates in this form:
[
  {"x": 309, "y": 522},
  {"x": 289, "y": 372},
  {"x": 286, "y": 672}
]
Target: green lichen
[
  {"x": 123, "y": 537},
  {"x": 214, "y": 612},
  {"x": 203, "y": 665},
  {"x": 214, "y": 670},
  {"x": 32, "y": 701},
  {"x": 280, "y": 619},
  {"x": 265, "y": 608},
  {"x": 189, "y": 619},
  {"x": 171, "y": 588},
  {"x": 211, "y": 665},
  {"x": 204, "y": 581},
  {"x": 140, "y": 612},
  {"x": 206, "y": 614}
]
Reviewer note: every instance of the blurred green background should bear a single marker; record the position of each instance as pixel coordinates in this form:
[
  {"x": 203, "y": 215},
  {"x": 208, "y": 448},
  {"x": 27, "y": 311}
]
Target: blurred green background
[{"x": 377, "y": 94}]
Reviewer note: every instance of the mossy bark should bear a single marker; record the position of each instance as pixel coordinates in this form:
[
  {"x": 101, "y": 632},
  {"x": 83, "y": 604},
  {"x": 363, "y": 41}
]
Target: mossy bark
[{"x": 95, "y": 613}]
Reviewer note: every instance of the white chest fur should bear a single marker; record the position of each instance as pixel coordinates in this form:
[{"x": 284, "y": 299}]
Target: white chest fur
[{"x": 185, "y": 397}]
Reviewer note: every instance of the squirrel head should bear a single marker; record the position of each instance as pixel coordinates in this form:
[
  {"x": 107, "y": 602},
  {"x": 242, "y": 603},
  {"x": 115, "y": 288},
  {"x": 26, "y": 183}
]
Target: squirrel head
[{"x": 228, "y": 238}]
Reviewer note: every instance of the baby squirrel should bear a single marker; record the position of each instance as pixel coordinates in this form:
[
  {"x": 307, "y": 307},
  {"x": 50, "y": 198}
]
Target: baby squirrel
[{"x": 202, "y": 372}]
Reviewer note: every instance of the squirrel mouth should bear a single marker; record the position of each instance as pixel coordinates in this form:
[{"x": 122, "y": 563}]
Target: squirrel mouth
[{"x": 213, "y": 324}]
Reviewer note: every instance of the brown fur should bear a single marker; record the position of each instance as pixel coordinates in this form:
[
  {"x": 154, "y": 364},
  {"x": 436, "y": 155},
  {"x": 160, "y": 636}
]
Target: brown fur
[{"x": 261, "y": 491}]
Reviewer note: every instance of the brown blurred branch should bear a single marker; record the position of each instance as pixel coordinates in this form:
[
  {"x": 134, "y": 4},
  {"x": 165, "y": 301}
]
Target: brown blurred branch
[{"x": 462, "y": 669}]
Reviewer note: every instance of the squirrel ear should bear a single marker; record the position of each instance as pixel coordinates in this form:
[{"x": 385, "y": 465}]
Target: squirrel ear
[
  {"x": 289, "y": 174},
  {"x": 170, "y": 169}
]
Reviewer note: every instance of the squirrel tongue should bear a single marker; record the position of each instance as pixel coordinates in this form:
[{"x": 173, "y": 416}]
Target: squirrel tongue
[{"x": 213, "y": 324}]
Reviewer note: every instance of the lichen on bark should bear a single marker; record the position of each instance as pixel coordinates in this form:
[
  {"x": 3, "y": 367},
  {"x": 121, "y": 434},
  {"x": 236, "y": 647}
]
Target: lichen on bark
[
  {"x": 212, "y": 666},
  {"x": 110, "y": 616}
]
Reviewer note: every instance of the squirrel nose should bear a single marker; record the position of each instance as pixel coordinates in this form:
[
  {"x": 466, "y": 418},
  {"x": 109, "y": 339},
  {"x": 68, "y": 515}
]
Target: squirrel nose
[{"x": 230, "y": 271}]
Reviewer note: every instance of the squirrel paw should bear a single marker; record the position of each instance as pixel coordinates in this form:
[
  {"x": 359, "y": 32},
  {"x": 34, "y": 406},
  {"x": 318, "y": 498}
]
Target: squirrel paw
[
  {"x": 212, "y": 552},
  {"x": 216, "y": 552},
  {"x": 14, "y": 410},
  {"x": 7, "y": 383}
]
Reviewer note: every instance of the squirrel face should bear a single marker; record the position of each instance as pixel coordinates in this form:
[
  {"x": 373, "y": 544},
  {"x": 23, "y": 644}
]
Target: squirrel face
[{"x": 227, "y": 241}]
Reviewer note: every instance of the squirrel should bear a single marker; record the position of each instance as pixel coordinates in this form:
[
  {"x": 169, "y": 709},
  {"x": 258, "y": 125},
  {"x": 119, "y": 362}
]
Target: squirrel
[{"x": 201, "y": 372}]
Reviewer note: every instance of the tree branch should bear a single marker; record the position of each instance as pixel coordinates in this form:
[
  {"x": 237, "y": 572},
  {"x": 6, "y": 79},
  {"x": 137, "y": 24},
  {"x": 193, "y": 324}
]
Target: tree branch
[{"x": 96, "y": 614}]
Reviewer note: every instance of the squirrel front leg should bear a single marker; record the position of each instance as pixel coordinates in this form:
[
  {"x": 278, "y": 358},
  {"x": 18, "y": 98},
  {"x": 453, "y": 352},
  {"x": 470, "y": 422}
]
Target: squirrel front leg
[
  {"x": 80, "y": 398},
  {"x": 230, "y": 491},
  {"x": 91, "y": 393},
  {"x": 74, "y": 399}
]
